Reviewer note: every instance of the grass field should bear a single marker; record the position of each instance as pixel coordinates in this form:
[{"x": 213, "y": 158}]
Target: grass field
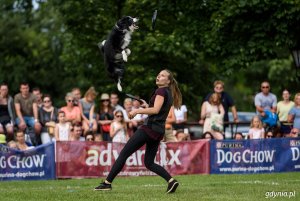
[{"x": 192, "y": 187}]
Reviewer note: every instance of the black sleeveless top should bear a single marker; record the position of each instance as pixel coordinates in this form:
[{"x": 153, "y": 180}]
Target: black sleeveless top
[{"x": 154, "y": 125}]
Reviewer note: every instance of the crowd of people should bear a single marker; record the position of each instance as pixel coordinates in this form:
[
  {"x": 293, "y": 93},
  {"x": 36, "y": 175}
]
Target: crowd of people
[{"x": 31, "y": 118}]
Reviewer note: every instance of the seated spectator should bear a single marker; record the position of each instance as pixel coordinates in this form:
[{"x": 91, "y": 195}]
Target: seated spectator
[
  {"x": 283, "y": 108},
  {"x": 20, "y": 140},
  {"x": 211, "y": 116},
  {"x": 256, "y": 129},
  {"x": 294, "y": 113},
  {"x": 139, "y": 118},
  {"x": 106, "y": 116},
  {"x": 89, "y": 136},
  {"x": 98, "y": 137},
  {"x": 62, "y": 128},
  {"x": 169, "y": 134},
  {"x": 294, "y": 132},
  {"x": 7, "y": 112},
  {"x": 118, "y": 128},
  {"x": 38, "y": 95},
  {"x": 179, "y": 128},
  {"x": 269, "y": 134},
  {"x": 12, "y": 144},
  {"x": 48, "y": 118},
  {"x": 77, "y": 133},
  {"x": 27, "y": 112},
  {"x": 2, "y": 139},
  {"x": 87, "y": 108},
  {"x": 238, "y": 136},
  {"x": 131, "y": 123},
  {"x": 208, "y": 135},
  {"x": 72, "y": 112}
]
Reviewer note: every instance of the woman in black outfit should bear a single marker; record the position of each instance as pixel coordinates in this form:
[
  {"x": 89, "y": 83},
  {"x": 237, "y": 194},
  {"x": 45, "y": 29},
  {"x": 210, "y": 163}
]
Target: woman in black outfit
[{"x": 151, "y": 132}]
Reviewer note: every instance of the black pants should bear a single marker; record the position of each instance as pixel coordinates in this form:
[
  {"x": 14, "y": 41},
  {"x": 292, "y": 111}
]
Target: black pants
[{"x": 139, "y": 138}]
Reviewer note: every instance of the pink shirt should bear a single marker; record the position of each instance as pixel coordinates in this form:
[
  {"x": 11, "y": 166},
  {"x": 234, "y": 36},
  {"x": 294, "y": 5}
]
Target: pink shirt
[{"x": 75, "y": 112}]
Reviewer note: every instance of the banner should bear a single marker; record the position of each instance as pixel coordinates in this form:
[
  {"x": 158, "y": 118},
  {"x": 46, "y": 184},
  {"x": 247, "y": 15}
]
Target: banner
[
  {"x": 94, "y": 159},
  {"x": 255, "y": 156},
  {"x": 34, "y": 164}
]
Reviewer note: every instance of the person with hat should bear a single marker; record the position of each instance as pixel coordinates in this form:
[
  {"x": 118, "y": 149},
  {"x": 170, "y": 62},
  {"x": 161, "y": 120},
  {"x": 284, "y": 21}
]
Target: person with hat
[{"x": 106, "y": 115}]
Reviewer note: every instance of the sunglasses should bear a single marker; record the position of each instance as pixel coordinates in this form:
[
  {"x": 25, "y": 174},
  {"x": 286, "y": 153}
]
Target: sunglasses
[
  {"x": 47, "y": 101},
  {"x": 265, "y": 87},
  {"x": 71, "y": 101},
  {"x": 106, "y": 100},
  {"x": 268, "y": 136},
  {"x": 294, "y": 133},
  {"x": 89, "y": 139},
  {"x": 119, "y": 116}
]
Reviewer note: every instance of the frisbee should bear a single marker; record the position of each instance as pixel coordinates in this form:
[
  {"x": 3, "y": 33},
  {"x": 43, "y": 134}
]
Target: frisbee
[
  {"x": 154, "y": 19},
  {"x": 133, "y": 97}
]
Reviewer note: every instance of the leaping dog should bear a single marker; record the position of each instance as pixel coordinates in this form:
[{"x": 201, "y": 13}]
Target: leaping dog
[{"x": 115, "y": 49}]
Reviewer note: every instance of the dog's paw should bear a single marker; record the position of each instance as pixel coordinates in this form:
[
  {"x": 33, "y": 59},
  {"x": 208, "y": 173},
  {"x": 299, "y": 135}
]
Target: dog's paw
[
  {"x": 119, "y": 86},
  {"x": 128, "y": 52},
  {"x": 124, "y": 55}
]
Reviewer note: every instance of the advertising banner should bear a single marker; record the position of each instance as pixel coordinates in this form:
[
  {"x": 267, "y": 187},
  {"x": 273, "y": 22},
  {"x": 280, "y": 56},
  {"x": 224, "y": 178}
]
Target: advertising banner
[
  {"x": 95, "y": 159},
  {"x": 255, "y": 156},
  {"x": 33, "y": 164}
]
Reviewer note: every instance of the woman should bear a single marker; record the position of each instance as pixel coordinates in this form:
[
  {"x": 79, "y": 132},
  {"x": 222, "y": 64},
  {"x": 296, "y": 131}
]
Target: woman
[
  {"x": 72, "y": 112},
  {"x": 283, "y": 108},
  {"x": 212, "y": 113},
  {"x": 48, "y": 118},
  {"x": 106, "y": 116},
  {"x": 151, "y": 132},
  {"x": 87, "y": 108},
  {"x": 7, "y": 112},
  {"x": 118, "y": 128},
  {"x": 294, "y": 113}
]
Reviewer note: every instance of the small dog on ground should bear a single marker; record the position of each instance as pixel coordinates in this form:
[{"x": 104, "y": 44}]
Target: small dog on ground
[{"x": 115, "y": 49}]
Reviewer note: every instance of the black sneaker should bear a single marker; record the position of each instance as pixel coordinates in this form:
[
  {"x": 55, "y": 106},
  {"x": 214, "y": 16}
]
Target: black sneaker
[
  {"x": 172, "y": 186},
  {"x": 103, "y": 187}
]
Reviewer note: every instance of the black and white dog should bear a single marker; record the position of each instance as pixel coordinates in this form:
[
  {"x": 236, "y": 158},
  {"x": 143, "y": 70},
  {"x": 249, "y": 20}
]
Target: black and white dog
[{"x": 115, "y": 49}]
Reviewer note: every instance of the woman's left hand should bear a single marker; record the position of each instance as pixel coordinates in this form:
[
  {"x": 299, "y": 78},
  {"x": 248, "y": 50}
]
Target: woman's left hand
[{"x": 132, "y": 114}]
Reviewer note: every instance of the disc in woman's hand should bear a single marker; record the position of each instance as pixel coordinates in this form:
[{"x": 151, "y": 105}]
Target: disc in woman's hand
[
  {"x": 154, "y": 19},
  {"x": 133, "y": 97}
]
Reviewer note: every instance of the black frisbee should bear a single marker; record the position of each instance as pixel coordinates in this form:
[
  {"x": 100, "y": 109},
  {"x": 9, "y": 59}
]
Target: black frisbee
[
  {"x": 133, "y": 97},
  {"x": 154, "y": 19}
]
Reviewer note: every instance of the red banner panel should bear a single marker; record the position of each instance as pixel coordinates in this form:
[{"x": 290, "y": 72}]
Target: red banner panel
[{"x": 94, "y": 159}]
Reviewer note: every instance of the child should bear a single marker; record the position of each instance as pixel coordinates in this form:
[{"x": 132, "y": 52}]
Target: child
[
  {"x": 256, "y": 128},
  {"x": 118, "y": 128},
  {"x": 63, "y": 128}
]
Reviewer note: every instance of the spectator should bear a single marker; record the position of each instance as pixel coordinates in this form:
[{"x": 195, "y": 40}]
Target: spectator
[
  {"x": 62, "y": 128},
  {"x": 20, "y": 140},
  {"x": 38, "y": 94},
  {"x": 265, "y": 100},
  {"x": 226, "y": 101},
  {"x": 114, "y": 101},
  {"x": 169, "y": 135},
  {"x": 48, "y": 118},
  {"x": 283, "y": 108},
  {"x": 2, "y": 139},
  {"x": 7, "y": 112},
  {"x": 179, "y": 127},
  {"x": 294, "y": 113},
  {"x": 131, "y": 123},
  {"x": 77, "y": 134},
  {"x": 294, "y": 132},
  {"x": 98, "y": 137},
  {"x": 139, "y": 118},
  {"x": 238, "y": 136},
  {"x": 212, "y": 113},
  {"x": 89, "y": 136},
  {"x": 118, "y": 129},
  {"x": 72, "y": 112},
  {"x": 256, "y": 130},
  {"x": 207, "y": 135},
  {"x": 12, "y": 144},
  {"x": 106, "y": 116},
  {"x": 27, "y": 111},
  {"x": 269, "y": 134},
  {"x": 87, "y": 107},
  {"x": 77, "y": 95}
]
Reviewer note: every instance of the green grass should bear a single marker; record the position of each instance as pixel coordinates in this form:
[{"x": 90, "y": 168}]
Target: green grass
[{"x": 192, "y": 187}]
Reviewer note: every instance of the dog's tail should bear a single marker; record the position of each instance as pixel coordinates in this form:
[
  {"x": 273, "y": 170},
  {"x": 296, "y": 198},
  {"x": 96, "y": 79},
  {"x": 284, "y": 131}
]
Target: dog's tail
[{"x": 101, "y": 46}]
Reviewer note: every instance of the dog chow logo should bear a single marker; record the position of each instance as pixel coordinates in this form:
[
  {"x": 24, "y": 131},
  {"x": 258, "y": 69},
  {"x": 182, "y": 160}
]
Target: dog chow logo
[
  {"x": 220, "y": 145},
  {"x": 294, "y": 143}
]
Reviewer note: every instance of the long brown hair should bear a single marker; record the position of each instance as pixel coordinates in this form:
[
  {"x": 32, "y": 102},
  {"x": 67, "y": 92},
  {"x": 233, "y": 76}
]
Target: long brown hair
[{"x": 175, "y": 91}]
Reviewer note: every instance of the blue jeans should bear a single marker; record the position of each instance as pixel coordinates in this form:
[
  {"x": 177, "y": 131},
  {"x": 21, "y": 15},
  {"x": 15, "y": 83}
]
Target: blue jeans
[{"x": 28, "y": 120}]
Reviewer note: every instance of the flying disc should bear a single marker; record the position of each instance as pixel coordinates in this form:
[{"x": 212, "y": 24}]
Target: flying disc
[{"x": 154, "y": 19}]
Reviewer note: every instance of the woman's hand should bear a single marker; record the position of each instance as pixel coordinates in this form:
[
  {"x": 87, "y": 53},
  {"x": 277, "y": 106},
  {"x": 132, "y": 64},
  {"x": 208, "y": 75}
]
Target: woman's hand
[{"x": 144, "y": 104}]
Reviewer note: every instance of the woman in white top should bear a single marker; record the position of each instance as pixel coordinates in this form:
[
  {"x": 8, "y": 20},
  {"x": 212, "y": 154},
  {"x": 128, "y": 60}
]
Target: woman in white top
[
  {"x": 212, "y": 113},
  {"x": 118, "y": 128},
  {"x": 62, "y": 128},
  {"x": 283, "y": 108},
  {"x": 181, "y": 118}
]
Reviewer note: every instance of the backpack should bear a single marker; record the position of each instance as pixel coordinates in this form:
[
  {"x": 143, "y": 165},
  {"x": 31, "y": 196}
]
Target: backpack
[{"x": 270, "y": 118}]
